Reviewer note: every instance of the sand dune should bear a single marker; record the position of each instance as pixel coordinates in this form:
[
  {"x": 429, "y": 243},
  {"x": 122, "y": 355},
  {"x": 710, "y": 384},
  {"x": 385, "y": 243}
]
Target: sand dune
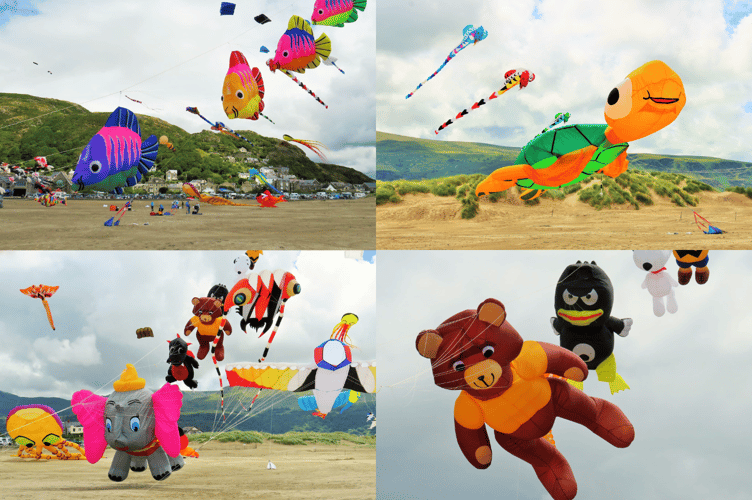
[
  {"x": 424, "y": 221},
  {"x": 223, "y": 471},
  {"x": 302, "y": 225}
]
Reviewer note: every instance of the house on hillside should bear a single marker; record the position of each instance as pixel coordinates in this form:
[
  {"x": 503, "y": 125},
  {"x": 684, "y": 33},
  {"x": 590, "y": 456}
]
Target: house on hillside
[
  {"x": 172, "y": 175},
  {"x": 330, "y": 188},
  {"x": 244, "y": 175},
  {"x": 311, "y": 185}
]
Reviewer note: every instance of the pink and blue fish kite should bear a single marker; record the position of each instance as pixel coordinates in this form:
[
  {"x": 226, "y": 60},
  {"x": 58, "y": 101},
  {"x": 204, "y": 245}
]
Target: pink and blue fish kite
[
  {"x": 297, "y": 51},
  {"x": 469, "y": 35},
  {"x": 115, "y": 157},
  {"x": 336, "y": 12}
]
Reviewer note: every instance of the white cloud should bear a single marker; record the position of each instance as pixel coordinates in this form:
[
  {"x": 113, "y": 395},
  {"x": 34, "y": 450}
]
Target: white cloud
[
  {"x": 579, "y": 50},
  {"x": 81, "y": 351},
  {"x": 687, "y": 399},
  {"x": 105, "y": 296},
  {"x": 172, "y": 56}
]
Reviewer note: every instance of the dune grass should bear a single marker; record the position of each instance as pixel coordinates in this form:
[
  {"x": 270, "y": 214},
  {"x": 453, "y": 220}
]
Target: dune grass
[
  {"x": 633, "y": 187},
  {"x": 289, "y": 438}
]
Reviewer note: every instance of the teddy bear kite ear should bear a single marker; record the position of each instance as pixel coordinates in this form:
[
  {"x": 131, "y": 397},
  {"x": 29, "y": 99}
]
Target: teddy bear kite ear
[
  {"x": 492, "y": 311},
  {"x": 428, "y": 343}
]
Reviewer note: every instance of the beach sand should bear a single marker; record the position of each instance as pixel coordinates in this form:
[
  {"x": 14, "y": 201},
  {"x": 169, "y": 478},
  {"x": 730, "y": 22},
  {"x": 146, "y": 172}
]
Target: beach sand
[
  {"x": 223, "y": 471},
  {"x": 425, "y": 221},
  {"x": 299, "y": 225}
]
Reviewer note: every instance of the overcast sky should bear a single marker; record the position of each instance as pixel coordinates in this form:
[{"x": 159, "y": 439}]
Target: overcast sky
[
  {"x": 689, "y": 400},
  {"x": 579, "y": 50},
  {"x": 105, "y": 296},
  {"x": 96, "y": 48}
]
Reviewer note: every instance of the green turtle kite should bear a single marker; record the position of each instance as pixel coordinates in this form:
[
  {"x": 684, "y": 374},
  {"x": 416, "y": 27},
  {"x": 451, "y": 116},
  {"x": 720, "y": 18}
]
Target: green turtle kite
[{"x": 649, "y": 99}]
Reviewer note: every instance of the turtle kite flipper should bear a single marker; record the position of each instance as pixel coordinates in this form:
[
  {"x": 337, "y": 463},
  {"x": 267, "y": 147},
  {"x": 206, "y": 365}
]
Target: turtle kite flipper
[
  {"x": 530, "y": 194},
  {"x": 503, "y": 179},
  {"x": 617, "y": 167}
]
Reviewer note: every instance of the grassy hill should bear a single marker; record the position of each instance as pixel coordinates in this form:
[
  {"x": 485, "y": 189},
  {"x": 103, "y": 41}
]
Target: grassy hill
[
  {"x": 400, "y": 157},
  {"x": 34, "y": 126},
  {"x": 274, "y": 412}
]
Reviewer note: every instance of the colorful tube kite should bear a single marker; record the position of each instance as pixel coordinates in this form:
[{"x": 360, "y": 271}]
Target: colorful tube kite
[
  {"x": 191, "y": 190},
  {"x": 512, "y": 78},
  {"x": 649, "y": 99},
  {"x": 252, "y": 172},
  {"x": 297, "y": 51},
  {"x": 331, "y": 61},
  {"x": 312, "y": 145},
  {"x": 469, "y": 35},
  {"x": 42, "y": 292}
]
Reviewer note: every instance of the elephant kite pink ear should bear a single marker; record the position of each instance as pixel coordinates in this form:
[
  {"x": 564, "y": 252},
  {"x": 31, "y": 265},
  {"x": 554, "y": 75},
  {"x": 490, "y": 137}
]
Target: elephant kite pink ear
[
  {"x": 89, "y": 408},
  {"x": 167, "y": 402}
]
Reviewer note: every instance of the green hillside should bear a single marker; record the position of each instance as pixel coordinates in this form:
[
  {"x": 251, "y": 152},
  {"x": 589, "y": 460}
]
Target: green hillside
[
  {"x": 399, "y": 157},
  {"x": 34, "y": 126},
  {"x": 274, "y": 412}
]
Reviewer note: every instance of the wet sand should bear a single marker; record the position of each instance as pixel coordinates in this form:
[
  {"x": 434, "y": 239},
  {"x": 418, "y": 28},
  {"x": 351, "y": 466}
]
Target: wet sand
[
  {"x": 298, "y": 225},
  {"x": 425, "y": 221}
]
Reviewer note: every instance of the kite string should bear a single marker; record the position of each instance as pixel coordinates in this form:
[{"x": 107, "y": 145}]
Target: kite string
[
  {"x": 139, "y": 82},
  {"x": 449, "y": 350},
  {"x": 57, "y": 412}
]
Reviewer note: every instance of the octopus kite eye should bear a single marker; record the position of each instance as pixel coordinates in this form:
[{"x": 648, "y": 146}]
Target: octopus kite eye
[
  {"x": 51, "y": 439},
  {"x": 459, "y": 366},
  {"x": 619, "y": 102}
]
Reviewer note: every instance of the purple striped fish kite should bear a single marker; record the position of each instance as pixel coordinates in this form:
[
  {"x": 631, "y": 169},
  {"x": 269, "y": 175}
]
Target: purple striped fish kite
[
  {"x": 115, "y": 157},
  {"x": 469, "y": 35}
]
